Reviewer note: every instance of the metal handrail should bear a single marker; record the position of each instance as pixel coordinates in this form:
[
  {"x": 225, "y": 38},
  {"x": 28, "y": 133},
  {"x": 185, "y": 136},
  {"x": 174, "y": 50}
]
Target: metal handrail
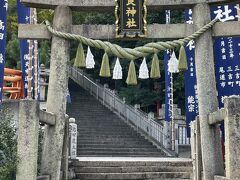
[{"x": 137, "y": 118}]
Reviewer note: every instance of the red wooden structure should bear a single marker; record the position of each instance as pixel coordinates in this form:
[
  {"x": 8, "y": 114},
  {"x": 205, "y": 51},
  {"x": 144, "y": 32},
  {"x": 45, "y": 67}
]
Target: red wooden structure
[{"x": 14, "y": 77}]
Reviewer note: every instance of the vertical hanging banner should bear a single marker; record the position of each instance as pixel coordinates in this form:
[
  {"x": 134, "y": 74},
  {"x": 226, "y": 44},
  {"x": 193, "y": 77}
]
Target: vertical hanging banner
[
  {"x": 168, "y": 78},
  {"x": 24, "y": 18},
  {"x": 36, "y": 74},
  {"x": 227, "y": 55},
  {"x": 3, "y": 34},
  {"x": 227, "y": 64},
  {"x": 29, "y": 56},
  {"x": 191, "y": 96},
  {"x": 168, "y": 92},
  {"x": 131, "y": 18}
]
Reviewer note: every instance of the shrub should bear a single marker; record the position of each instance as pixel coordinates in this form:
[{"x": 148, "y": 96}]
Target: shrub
[{"x": 8, "y": 146}]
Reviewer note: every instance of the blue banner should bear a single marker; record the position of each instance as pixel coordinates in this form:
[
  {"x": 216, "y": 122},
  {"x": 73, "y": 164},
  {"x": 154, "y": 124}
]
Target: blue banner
[
  {"x": 3, "y": 34},
  {"x": 191, "y": 96},
  {"x": 24, "y": 18},
  {"x": 227, "y": 56},
  {"x": 168, "y": 78},
  {"x": 227, "y": 64},
  {"x": 168, "y": 93}
]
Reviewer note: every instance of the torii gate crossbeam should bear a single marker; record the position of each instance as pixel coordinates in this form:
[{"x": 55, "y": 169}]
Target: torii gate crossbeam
[
  {"x": 103, "y": 5},
  {"x": 155, "y": 31}
]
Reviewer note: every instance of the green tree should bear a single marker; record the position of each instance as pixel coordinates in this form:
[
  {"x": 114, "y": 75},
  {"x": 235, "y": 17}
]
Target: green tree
[
  {"x": 13, "y": 54},
  {"x": 44, "y": 53}
]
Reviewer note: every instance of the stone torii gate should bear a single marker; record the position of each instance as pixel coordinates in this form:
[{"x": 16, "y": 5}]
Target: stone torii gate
[{"x": 53, "y": 140}]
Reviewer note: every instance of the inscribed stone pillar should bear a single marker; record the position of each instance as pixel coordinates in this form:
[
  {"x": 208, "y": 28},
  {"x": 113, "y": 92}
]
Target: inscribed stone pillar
[
  {"x": 232, "y": 137},
  {"x": 56, "y": 99},
  {"x": 27, "y": 147},
  {"x": 207, "y": 95}
]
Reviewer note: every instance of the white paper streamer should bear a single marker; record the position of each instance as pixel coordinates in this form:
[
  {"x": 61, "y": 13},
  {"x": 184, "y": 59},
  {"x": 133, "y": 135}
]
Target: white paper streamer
[
  {"x": 173, "y": 64},
  {"x": 90, "y": 63},
  {"x": 117, "y": 70},
  {"x": 143, "y": 71}
]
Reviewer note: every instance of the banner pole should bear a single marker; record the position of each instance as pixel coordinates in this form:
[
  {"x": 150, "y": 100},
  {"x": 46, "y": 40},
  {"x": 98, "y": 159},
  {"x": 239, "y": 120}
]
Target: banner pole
[
  {"x": 30, "y": 54},
  {"x": 35, "y": 58}
]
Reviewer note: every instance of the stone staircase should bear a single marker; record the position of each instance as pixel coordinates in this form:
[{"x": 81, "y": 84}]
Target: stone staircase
[
  {"x": 108, "y": 148},
  {"x": 101, "y": 132},
  {"x": 133, "y": 168}
]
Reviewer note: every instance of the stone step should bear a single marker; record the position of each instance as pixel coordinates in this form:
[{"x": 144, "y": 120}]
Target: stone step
[
  {"x": 106, "y": 129},
  {"x": 94, "y": 104},
  {"x": 83, "y": 107},
  {"x": 139, "y": 176},
  {"x": 170, "y": 162},
  {"x": 113, "y": 138},
  {"x": 128, "y": 139},
  {"x": 131, "y": 169},
  {"x": 111, "y": 146},
  {"x": 100, "y": 118},
  {"x": 103, "y": 127},
  {"x": 158, "y": 179},
  {"x": 99, "y": 128},
  {"x": 114, "y": 142},
  {"x": 106, "y": 120},
  {"x": 117, "y": 141},
  {"x": 124, "y": 155},
  {"x": 96, "y": 118},
  {"x": 123, "y": 149},
  {"x": 94, "y": 108},
  {"x": 83, "y": 111},
  {"x": 92, "y": 119},
  {"x": 97, "y": 122},
  {"x": 107, "y": 133},
  {"x": 120, "y": 153},
  {"x": 107, "y": 139},
  {"x": 98, "y": 111}
]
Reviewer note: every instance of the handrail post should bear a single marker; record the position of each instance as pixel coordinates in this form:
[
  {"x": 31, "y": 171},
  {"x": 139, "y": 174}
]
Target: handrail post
[
  {"x": 43, "y": 83},
  {"x": 91, "y": 89},
  {"x": 150, "y": 125},
  {"x": 114, "y": 107},
  {"x": 104, "y": 93},
  {"x": 97, "y": 93},
  {"x": 73, "y": 138},
  {"x": 176, "y": 138}
]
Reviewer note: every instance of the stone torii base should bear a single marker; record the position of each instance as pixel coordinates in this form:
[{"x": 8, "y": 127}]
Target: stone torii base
[
  {"x": 27, "y": 115},
  {"x": 231, "y": 116}
]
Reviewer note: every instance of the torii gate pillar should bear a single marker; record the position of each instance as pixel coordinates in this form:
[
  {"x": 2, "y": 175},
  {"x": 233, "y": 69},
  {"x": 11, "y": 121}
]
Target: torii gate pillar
[
  {"x": 56, "y": 100},
  {"x": 207, "y": 95}
]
